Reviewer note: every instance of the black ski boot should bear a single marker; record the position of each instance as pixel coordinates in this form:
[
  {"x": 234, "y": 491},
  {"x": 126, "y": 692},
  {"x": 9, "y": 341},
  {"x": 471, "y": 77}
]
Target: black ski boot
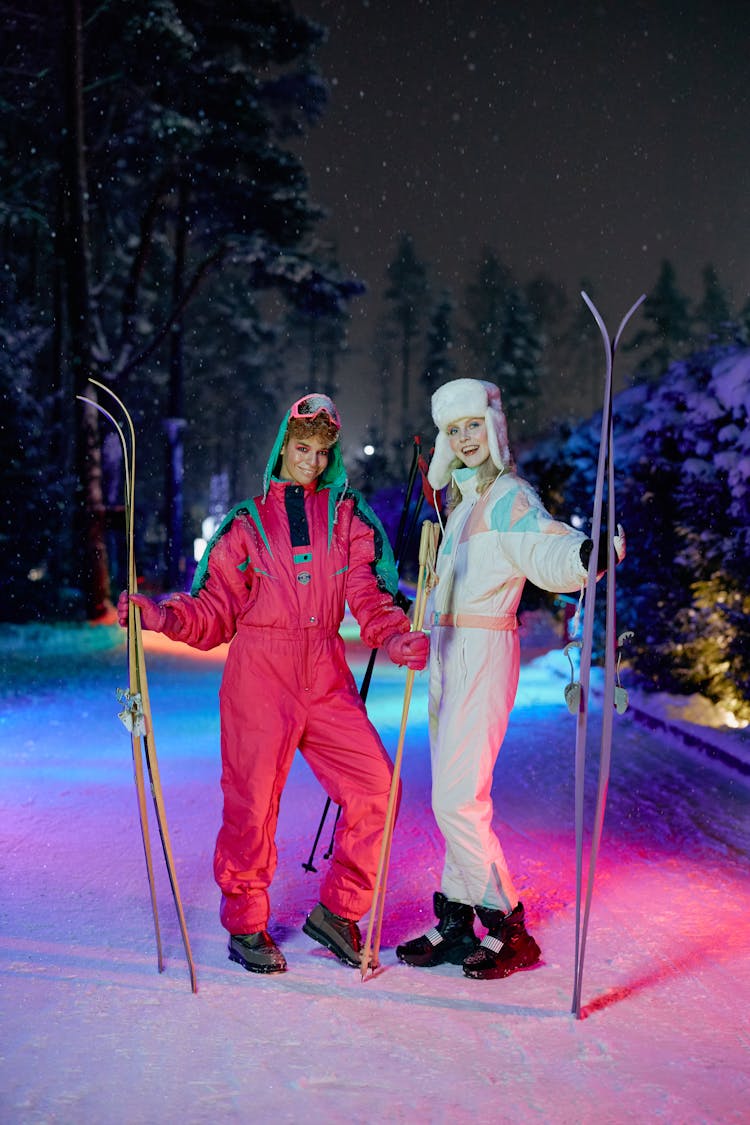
[
  {"x": 258, "y": 953},
  {"x": 505, "y": 948},
  {"x": 450, "y": 940},
  {"x": 338, "y": 934}
]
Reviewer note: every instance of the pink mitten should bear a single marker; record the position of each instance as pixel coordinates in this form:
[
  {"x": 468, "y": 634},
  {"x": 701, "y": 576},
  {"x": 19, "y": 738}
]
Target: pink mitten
[
  {"x": 153, "y": 616},
  {"x": 411, "y": 649}
]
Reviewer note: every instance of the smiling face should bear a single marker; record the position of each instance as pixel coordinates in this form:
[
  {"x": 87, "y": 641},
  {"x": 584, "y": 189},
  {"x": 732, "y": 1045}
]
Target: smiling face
[
  {"x": 468, "y": 441},
  {"x": 303, "y": 460}
]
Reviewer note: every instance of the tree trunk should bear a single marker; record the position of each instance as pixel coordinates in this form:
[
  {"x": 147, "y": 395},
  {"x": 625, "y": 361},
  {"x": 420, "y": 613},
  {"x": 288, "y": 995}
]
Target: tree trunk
[
  {"x": 91, "y": 567},
  {"x": 174, "y": 423}
]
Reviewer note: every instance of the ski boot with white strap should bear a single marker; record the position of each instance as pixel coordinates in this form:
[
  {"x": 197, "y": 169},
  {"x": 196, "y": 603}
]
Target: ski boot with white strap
[
  {"x": 450, "y": 940},
  {"x": 505, "y": 948}
]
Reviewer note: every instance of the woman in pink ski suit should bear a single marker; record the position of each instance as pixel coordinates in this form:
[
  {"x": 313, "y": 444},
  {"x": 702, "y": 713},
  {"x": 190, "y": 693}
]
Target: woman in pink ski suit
[
  {"x": 496, "y": 537},
  {"x": 274, "y": 581}
]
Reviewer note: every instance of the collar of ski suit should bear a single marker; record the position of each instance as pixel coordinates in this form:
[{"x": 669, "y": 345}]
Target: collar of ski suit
[
  {"x": 283, "y": 482},
  {"x": 465, "y": 480}
]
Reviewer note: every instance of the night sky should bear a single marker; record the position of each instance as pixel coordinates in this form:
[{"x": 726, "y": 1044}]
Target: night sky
[{"x": 579, "y": 141}]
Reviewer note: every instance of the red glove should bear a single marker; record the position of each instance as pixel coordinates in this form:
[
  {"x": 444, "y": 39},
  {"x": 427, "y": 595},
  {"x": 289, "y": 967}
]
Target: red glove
[
  {"x": 411, "y": 649},
  {"x": 153, "y": 616}
]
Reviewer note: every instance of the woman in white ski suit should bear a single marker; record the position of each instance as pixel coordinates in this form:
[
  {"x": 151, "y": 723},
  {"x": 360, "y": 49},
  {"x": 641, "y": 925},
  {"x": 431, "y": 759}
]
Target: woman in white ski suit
[{"x": 496, "y": 537}]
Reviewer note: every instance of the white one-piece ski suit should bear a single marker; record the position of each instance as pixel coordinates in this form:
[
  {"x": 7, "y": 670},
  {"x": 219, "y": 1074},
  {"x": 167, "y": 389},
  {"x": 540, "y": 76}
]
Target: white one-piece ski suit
[{"x": 493, "y": 542}]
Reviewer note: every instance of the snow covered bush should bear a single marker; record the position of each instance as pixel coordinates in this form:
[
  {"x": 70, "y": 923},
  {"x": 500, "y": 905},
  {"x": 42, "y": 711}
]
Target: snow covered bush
[{"x": 682, "y": 462}]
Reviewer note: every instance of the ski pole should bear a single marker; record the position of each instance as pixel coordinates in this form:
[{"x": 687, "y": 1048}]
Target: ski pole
[
  {"x": 329, "y": 850},
  {"x": 413, "y": 470},
  {"x": 309, "y": 866}
]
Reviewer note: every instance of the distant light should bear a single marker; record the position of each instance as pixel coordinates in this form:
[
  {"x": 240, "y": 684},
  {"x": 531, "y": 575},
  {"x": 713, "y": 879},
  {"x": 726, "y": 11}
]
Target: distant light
[
  {"x": 208, "y": 527},
  {"x": 199, "y": 546},
  {"x": 576, "y": 521},
  {"x": 369, "y": 450}
]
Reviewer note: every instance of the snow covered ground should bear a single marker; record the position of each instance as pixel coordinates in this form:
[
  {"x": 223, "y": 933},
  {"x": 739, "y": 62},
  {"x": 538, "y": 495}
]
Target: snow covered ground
[{"x": 91, "y": 1033}]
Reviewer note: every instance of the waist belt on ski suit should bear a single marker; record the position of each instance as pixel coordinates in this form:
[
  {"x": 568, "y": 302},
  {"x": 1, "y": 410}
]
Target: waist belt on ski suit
[{"x": 508, "y": 622}]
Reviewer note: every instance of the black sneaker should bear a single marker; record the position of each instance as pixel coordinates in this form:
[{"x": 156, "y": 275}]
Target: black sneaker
[
  {"x": 258, "y": 953},
  {"x": 451, "y": 940},
  {"x": 505, "y": 948},
  {"x": 340, "y": 935}
]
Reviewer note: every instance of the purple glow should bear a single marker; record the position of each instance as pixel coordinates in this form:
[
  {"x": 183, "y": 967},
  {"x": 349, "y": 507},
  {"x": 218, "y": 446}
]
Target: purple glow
[{"x": 93, "y": 1033}]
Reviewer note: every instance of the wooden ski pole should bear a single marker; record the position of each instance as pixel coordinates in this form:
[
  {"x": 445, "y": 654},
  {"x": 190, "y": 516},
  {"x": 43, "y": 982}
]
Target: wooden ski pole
[{"x": 427, "y": 554}]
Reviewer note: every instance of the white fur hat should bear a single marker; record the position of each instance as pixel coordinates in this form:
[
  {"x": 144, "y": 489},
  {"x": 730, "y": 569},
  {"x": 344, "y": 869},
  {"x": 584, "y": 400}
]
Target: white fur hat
[{"x": 467, "y": 398}]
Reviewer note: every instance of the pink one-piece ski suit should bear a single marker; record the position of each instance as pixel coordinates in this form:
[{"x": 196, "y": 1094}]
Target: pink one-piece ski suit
[{"x": 274, "y": 581}]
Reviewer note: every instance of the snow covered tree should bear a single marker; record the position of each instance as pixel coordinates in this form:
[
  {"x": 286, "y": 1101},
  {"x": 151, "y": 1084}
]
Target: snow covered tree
[
  {"x": 683, "y": 495},
  {"x": 185, "y": 169}
]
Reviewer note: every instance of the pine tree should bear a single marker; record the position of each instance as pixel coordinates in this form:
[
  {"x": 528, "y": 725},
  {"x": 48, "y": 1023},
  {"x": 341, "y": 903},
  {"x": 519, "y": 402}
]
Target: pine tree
[
  {"x": 581, "y": 359},
  {"x": 521, "y": 372},
  {"x": 713, "y": 314},
  {"x": 666, "y": 336},
  {"x": 185, "y": 117},
  {"x": 31, "y": 489},
  {"x": 439, "y": 362},
  {"x": 485, "y": 312},
  {"x": 506, "y": 340},
  {"x": 406, "y": 295},
  {"x": 317, "y": 325}
]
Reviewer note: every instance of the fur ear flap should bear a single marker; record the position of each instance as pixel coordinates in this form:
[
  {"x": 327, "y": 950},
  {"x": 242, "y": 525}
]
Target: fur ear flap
[{"x": 439, "y": 472}]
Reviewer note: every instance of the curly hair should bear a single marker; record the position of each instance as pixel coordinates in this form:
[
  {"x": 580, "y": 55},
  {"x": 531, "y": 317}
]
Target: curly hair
[{"x": 321, "y": 427}]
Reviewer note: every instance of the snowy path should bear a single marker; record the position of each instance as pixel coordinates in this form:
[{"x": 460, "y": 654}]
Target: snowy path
[{"x": 91, "y": 1033}]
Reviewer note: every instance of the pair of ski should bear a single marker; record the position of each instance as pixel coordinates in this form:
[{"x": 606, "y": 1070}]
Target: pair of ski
[
  {"x": 136, "y": 712},
  {"x": 615, "y": 698}
]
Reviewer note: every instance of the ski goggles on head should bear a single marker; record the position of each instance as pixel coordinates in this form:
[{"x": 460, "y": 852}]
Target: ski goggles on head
[{"x": 311, "y": 406}]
